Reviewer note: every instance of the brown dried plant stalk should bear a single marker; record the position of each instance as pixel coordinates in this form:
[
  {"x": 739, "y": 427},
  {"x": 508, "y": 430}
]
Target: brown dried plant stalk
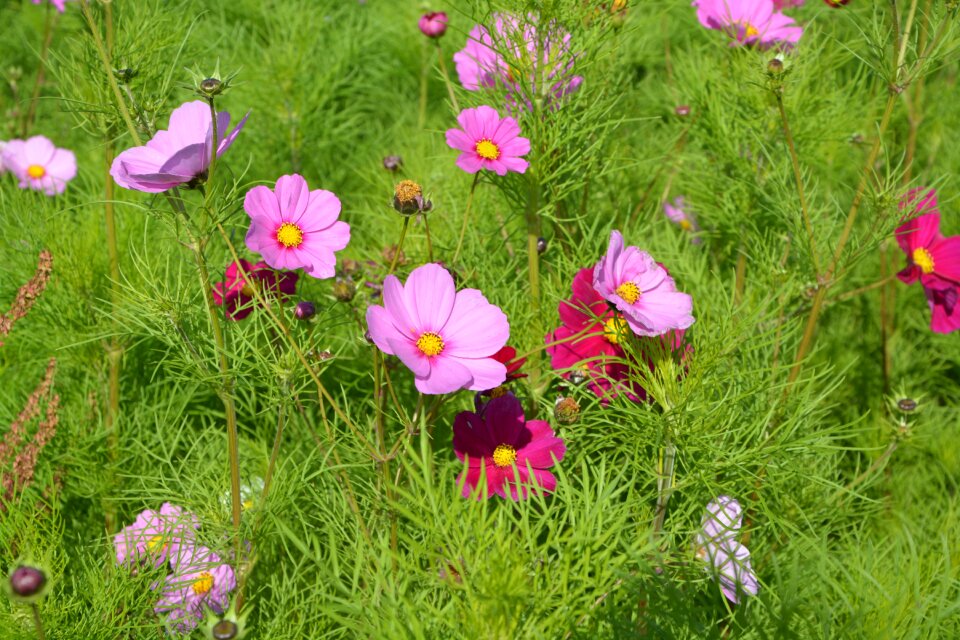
[{"x": 27, "y": 295}]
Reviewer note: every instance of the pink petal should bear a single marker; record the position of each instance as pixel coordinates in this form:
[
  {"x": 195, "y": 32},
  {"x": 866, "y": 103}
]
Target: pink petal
[
  {"x": 446, "y": 376},
  {"x": 430, "y": 294},
  {"x": 476, "y": 328}
]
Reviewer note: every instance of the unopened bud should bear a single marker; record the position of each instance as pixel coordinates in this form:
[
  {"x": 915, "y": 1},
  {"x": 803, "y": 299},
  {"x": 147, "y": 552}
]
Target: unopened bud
[
  {"x": 348, "y": 267},
  {"x": 392, "y": 163},
  {"x": 775, "y": 67},
  {"x": 906, "y": 405},
  {"x": 125, "y": 75},
  {"x": 566, "y": 410},
  {"x": 224, "y": 630},
  {"x": 541, "y": 244},
  {"x": 577, "y": 376},
  {"x": 27, "y": 582},
  {"x": 211, "y": 87},
  {"x": 344, "y": 289},
  {"x": 682, "y": 110},
  {"x": 305, "y": 310}
]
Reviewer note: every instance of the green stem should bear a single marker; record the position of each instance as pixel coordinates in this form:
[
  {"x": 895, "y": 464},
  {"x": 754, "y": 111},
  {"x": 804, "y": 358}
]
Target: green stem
[
  {"x": 446, "y": 78},
  {"x": 396, "y": 255},
  {"x": 668, "y": 454},
  {"x": 798, "y": 176},
  {"x": 424, "y": 76},
  {"x": 274, "y": 454},
  {"x": 466, "y": 217},
  {"x": 426, "y": 229},
  {"x": 48, "y": 27},
  {"x": 533, "y": 234},
  {"x": 37, "y": 622}
]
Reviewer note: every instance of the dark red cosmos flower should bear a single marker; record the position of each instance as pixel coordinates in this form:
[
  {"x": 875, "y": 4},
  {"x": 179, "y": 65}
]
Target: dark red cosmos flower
[{"x": 237, "y": 293}]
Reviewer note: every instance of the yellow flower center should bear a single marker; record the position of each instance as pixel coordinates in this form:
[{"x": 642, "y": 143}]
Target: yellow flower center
[
  {"x": 406, "y": 191},
  {"x": 498, "y": 392},
  {"x": 685, "y": 225},
  {"x": 923, "y": 259},
  {"x": 290, "y": 235},
  {"x": 488, "y": 150},
  {"x": 629, "y": 292},
  {"x": 248, "y": 504},
  {"x": 504, "y": 455},
  {"x": 36, "y": 172},
  {"x": 430, "y": 344},
  {"x": 156, "y": 543},
  {"x": 203, "y": 584},
  {"x": 749, "y": 31},
  {"x": 614, "y": 329}
]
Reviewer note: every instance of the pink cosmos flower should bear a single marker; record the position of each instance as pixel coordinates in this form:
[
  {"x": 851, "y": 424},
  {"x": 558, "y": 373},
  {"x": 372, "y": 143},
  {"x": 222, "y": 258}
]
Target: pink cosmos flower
[
  {"x": 680, "y": 214},
  {"x": 155, "y": 535},
  {"x": 178, "y": 155},
  {"x": 507, "y": 55},
  {"x": 60, "y": 5},
  {"x": 717, "y": 545},
  {"x": 445, "y": 337},
  {"x": 492, "y": 443},
  {"x": 433, "y": 24},
  {"x": 293, "y": 227},
  {"x": 236, "y": 291},
  {"x": 200, "y": 581},
  {"x": 488, "y": 142},
  {"x": 748, "y": 22},
  {"x": 641, "y": 289},
  {"x": 39, "y": 165},
  {"x": 931, "y": 258}
]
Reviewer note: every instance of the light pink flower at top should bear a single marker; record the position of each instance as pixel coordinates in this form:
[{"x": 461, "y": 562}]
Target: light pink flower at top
[
  {"x": 433, "y": 24},
  {"x": 748, "y": 22},
  {"x": 200, "y": 581},
  {"x": 155, "y": 535},
  {"x": 488, "y": 142},
  {"x": 39, "y": 164},
  {"x": 178, "y": 155},
  {"x": 507, "y": 54},
  {"x": 641, "y": 289},
  {"x": 447, "y": 338},
  {"x": 293, "y": 227},
  {"x": 60, "y": 5},
  {"x": 492, "y": 442}
]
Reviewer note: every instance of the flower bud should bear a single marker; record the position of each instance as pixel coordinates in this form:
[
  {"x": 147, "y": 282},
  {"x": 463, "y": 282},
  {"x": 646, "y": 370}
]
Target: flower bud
[
  {"x": 348, "y": 267},
  {"x": 682, "y": 110},
  {"x": 305, "y": 310},
  {"x": 125, "y": 75},
  {"x": 907, "y": 405},
  {"x": 408, "y": 198},
  {"x": 775, "y": 67},
  {"x": 566, "y": 410},
  {"x": 433, "y": 24},
  {"x": 344, "y": 289},
  {"x": 27, "y": 583},
  {"x": 541, "y": 244},
  {"x": 224, "y": 630},
  {"x": 577, "y": 376},
  {"x": 392, "y": 163},
  {"x": 211, "y": 87}
]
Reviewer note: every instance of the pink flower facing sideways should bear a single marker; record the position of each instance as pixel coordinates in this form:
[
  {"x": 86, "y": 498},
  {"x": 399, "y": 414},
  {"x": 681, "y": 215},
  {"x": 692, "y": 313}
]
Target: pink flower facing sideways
[
  {"x": 433, "y": 24},
  {"x": 509, "y": 453},
  {"x": 293, "y": 227},
  {"x": 717, "y": 545},
  {"x": 487, "y": 141},
  {"x": 236, "y": 292},
  {"x": 641, "y": 290},
  {"x": 178, "y": 155},
  {"x": 155, "y": 536},
  {"x": 200, "y": 581},
  {"x": 39, "y": 164},
  {"x": 447, "y": 338},
  {"x": 931, "y": 259},
  {"x": 748, "y": 22}
]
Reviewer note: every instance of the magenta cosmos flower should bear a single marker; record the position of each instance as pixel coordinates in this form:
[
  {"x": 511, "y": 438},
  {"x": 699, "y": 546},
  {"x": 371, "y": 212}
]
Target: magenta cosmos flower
[
  {"x": 433, "y": 24},
  {"x": 293, "y": 227},
  {"x": 717, "y": 545},
  {"x": 641, "y": 290},
  {"x": 236, "y": 292},
  {"x": 488, "y": 142},
  {"x": 508, "y": 452},
  {"x": 748, "y": 22},
  {"x": 155, "y": 536},
  {"x": 39, "y": 164},
  {"x": 931, "y": 258},
  {"x": 178, "y": 155},
  {"x": 200, "y": 581},
  {"x": 60, "y": 5},
  {"x": 447, "y": 338},
  {"x": 507, "y": 55}
]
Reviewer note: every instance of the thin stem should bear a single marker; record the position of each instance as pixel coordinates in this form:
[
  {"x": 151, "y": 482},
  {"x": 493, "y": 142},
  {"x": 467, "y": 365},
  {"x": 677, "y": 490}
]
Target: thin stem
[
  {"x": 533, "y": 234},
  {"x": 213, "y": 150},
  {"x": 905, "y": 38},
  {"x": 48, "y": 27},
  {"x": 426, "y": 229},
  {"x": 274, "y": 454},
  {"x": 547, "y": 345},
  {"x": 466, "y": 217},
  {"x": 424, "y": 76},
  {"x": 446, "y": 78},
  {"x": 798, "y": 176},
  {"x": 37, "y": 622},
  {"x": 668, "y": 454},
  {"x": 869, "y": 472},
  {"x": 396, "y": 255}
]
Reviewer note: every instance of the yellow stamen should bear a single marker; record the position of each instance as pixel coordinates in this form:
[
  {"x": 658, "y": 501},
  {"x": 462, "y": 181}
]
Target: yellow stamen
[
  {"x": 430, "y": 344},
  {"x": 247, "y": 504},
  {"x": 156, "y": 543},
  {"x": 629, "y": 292},
  {"x": 504, "y": 455},
  {"x": 614, "y": 329},
  {"x": 498, "y": 392},
  {"x": 203, "y": 584},
  {"x": 36, "y": 172},
  {"x": 488, "y": 150},
  {"x": 923, "y": 259},
  {"x": 685, "y": 225},
  {"x": 290, "y": 235}
]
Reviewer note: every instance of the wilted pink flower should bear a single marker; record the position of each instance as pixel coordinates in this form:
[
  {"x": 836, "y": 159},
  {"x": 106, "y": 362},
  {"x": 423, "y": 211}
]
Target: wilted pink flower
[
  {"x": 491, "y": 443},
  {"x": 178, "y": 155},
  {"x": 447, "y": 338},
  {"x": 293, "y": 227},
  {"x": 236, "y": 291},
  {"x": 507, "y": 55},
  {"x": 155, "y": 536},
  {"x": 748, "y": 22},
  {"x": 717, "y": 544},
  {"x": 60, "y": 5},
  {"x": 39, "y": 164},
  {"x": 433, "y": 24},
  {"x": 200, "y": 581},
  {"x": 488, "y": 142},
  {"x": 641, "y": 289}
]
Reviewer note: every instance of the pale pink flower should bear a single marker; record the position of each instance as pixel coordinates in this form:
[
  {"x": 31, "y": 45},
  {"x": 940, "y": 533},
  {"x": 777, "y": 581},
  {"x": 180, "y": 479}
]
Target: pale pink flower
[
  {"x": 201, "y": 581},
  {"x": 39, "y": 164},
  {"x": 447, "y": 338},
  {"x": 155, "y": 536},
  {"x": 293, "y": 227},
  {"x": 488, "y": 141}
]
